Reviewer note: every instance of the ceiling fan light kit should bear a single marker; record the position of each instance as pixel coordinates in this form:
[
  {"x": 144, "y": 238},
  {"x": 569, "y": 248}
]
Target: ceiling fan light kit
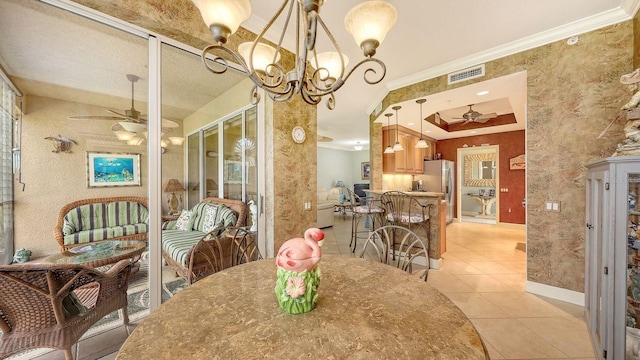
[
  {"x": 368, "y": 22},
  {"x": 397, "y": 146},
  {"x": 421, "y": 144}
]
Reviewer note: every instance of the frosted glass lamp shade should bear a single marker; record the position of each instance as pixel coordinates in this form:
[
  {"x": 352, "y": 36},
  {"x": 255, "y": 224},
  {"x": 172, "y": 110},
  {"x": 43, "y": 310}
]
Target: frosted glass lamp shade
[
  {"x": 369, "y": 22},
  {"x": 389, "y": 150},
  {"x": 176, "y": 140},
  {"x": 330, "y": 61},
  {"x": 124, "y": 135},
  {"x": 263, "y": 55},
  {"x": 421, "y": 144},
  {"x": 223, "y": 17},
  {"x": 398, "y": 147}
]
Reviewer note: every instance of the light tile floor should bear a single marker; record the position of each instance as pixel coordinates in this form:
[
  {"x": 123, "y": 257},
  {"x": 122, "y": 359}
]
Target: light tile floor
[{"x": 483, "y": 273}]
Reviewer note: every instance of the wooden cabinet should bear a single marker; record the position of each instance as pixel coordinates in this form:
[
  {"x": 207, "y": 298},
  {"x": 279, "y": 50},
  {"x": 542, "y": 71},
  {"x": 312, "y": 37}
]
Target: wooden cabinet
[
  {"x": 408, "y": 161},
  {"x": 612, "y": 255}
]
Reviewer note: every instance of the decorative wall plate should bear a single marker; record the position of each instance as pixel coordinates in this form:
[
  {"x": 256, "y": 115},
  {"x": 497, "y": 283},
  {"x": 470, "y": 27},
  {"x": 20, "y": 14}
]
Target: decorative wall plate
[{"x": 298, "y": 134}]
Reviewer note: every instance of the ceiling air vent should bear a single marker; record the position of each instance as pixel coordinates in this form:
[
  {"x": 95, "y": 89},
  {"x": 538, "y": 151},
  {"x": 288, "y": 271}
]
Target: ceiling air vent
[{"x": 466, "y": 74}]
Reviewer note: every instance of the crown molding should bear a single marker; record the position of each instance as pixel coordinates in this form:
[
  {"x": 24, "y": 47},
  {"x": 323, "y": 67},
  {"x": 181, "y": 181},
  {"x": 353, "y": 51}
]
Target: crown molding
[{"x": 582, "y": 26}]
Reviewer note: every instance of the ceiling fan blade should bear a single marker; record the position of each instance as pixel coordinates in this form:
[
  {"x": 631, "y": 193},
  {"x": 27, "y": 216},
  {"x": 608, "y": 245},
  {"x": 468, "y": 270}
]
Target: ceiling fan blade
[
  {"x": 97, "y": 117},
  {"x": 487, "y": 116},
  {"x": 117, "y": 113}
]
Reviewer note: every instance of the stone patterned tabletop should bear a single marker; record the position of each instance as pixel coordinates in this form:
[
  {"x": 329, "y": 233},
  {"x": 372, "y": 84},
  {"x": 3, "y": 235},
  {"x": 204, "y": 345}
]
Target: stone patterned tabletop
[{"x": 365, "y": 310}]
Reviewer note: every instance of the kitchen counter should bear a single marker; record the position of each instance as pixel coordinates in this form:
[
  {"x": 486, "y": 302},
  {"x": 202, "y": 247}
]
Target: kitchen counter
[{"x": 437, "y": 221}]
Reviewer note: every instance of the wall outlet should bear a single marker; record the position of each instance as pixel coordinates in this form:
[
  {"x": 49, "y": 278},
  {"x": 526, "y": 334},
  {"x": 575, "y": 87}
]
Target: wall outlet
[
  {"x": 548, "y": 206},
  {"x": 556, "y": 206},
  {"x": 307, "y": 206}
]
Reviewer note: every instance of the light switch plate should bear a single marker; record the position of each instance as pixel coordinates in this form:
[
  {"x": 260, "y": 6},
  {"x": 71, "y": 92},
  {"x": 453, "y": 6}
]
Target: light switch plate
[{"x": 549, "y": 205}]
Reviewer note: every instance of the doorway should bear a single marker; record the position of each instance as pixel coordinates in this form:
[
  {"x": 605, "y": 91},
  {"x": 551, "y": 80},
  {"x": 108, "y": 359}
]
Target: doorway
[{"x": 478, "y": 184}]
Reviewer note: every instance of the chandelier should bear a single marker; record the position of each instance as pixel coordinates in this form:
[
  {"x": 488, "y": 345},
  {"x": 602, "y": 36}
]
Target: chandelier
[{"x": 314, "y": 75}]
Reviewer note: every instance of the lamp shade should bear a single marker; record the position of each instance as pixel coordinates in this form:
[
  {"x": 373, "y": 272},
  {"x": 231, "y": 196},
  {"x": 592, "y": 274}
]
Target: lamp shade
[
  {"x": 124, "y": 135},
  {"x": 371, "y": 20},
  {"x": 339, "y": 183},
  {"x": 398, "y": 147},
  {"x": 421, "y": 144},
  {"x": 263, "y": 55},
  {"x": 176, "y": 140},
  {"x": 173, "y": 185},
  {"x": 227, "y": 13},
  {"x": 330, "y": 61},
  {"x": 389, "y": 150}
]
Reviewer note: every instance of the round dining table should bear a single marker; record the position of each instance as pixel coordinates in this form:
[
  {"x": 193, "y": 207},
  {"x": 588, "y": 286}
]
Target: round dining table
[{"x": 365, "y": 310}]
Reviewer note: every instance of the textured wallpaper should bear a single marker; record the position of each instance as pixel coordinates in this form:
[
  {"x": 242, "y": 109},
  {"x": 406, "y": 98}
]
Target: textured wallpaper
[{"x": 573, "y": 92}]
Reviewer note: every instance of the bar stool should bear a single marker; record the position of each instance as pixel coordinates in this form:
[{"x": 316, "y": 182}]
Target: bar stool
[
  {"x": 405, "y": 210},
  {"x": 364, "y": 209}
]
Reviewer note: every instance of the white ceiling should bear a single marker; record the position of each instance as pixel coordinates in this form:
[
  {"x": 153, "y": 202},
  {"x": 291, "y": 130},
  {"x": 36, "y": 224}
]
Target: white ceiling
[{"x": 430, "y": 39}]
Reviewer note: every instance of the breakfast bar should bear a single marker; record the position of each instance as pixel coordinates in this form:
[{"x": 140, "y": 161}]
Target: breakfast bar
[{"x": 437, "y": 221}]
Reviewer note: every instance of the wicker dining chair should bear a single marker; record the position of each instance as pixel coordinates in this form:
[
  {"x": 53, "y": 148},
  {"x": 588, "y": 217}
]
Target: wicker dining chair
[
  {"x": 409, "y": 249},
  {"x": 243, "y": 245},
  {"x": 52, "y": 306}
]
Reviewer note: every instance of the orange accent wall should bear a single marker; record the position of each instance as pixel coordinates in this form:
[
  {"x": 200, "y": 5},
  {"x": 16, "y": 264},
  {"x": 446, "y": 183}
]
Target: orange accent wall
[{"x": 511, "y": 144}]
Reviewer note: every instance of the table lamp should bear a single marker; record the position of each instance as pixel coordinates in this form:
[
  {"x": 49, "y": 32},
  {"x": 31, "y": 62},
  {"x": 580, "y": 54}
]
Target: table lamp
[{"x": 173, "y": 186}]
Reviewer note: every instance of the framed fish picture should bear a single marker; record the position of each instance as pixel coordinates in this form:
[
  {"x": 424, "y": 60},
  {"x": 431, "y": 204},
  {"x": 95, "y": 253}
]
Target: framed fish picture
[{"x": 112, "y": 169}]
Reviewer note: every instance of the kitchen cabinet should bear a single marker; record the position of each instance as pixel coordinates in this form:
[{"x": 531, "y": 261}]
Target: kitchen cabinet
[
  {"x": 612, "y": 255},
  {"x": 408, "y": 161}
]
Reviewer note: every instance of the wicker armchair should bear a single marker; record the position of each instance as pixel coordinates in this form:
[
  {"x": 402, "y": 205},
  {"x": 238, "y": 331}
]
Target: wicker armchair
[
  {"x": 52, "y": 306},
  {"x": 205, "y": 253}
]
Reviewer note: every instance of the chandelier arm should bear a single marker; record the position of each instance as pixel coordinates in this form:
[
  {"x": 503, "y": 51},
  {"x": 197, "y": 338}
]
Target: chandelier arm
[
  {"x": 282, "y": 96},
  {"x": 335, "y": 44},
  {"x": 339, "y": 82},
  {"x": 318, "y": 81},
  {"x": 222, "y": 61},
  {"x": 367, "y": 71},
  {"x": 311, "y": 29},
  {"x": 254, "y": 96}
]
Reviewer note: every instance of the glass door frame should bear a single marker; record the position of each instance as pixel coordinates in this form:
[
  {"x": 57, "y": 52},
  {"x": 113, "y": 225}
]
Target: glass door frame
[{"x": 154, "y": 111}]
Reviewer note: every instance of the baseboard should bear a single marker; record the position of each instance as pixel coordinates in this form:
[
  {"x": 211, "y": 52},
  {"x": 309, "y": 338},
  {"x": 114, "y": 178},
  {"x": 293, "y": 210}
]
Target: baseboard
[
  {"x": 512, "y": 225},
  {"x": 553, "y": 292}
]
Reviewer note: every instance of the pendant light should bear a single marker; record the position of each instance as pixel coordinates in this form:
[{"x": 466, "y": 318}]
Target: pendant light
[
  {"x": 389, "y": 149},
  {"x": 421, "y": 144},
  {"x": 397, "y": 146}
]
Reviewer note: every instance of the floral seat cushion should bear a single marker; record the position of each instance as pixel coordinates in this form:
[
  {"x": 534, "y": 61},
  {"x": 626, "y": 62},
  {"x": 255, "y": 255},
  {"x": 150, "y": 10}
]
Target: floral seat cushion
[
  {"x": 407, "y": 218},
  {"x": 367, "y": 209}
]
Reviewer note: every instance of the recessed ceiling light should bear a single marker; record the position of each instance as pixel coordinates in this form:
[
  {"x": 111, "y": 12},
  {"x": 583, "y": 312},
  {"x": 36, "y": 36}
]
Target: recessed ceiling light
[
  {"x": 484, "y": 92},
  {"x": 427, "y": 131},
  {"x": 411, "y": 124},
  {"x": 473, "y": 132}
]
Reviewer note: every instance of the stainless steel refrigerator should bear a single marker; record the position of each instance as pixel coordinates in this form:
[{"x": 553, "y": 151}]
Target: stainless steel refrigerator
[{"x": 438, "y": 177}]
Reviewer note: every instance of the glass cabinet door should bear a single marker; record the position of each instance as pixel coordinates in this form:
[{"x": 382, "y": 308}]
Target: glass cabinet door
[{"x": 633, "y": 260}]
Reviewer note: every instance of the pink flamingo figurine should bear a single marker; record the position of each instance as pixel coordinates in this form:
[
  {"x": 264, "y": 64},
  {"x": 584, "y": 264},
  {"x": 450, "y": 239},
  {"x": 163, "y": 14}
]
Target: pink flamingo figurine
[{"x": 300, "y": 254}]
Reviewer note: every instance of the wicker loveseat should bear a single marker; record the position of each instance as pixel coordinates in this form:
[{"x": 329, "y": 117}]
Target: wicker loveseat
[
  {"x": 189, "y": 249},
  {"x": 108, "y": 218}
]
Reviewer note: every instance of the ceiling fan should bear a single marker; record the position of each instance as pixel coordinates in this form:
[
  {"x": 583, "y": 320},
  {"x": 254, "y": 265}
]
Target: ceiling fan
[
  {"x": 131, "y": 121},
  {"x": 475, "y": 116}
]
